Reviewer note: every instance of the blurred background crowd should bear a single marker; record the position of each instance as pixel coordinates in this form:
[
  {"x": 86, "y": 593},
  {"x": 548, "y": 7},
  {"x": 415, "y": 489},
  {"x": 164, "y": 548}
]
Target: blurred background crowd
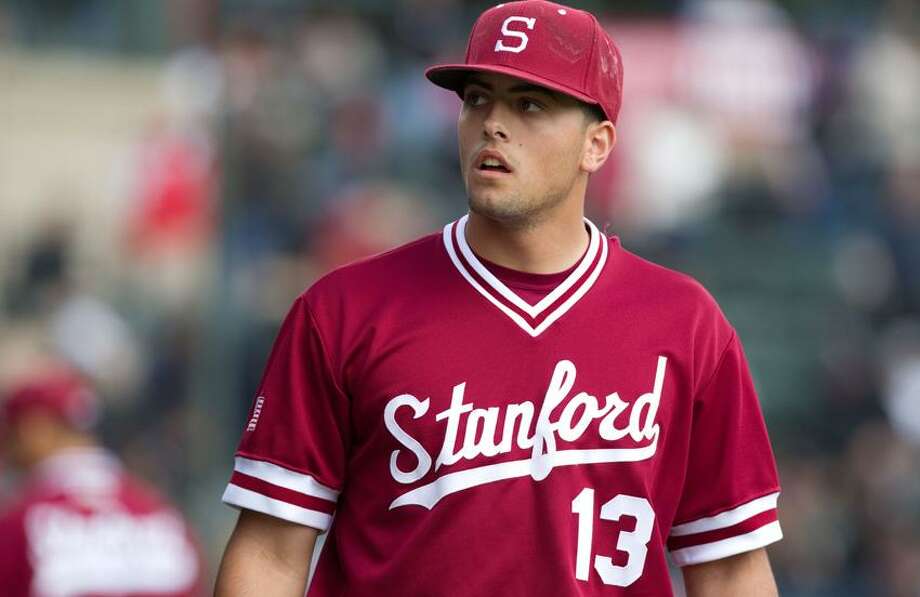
[{"x": 173, "y": 174}]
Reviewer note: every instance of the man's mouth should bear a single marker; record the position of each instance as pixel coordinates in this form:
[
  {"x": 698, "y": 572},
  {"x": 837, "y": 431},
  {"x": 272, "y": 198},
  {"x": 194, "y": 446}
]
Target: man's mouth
[
  {"x": 494, "y": 165},
  {"x": 492, "y": 161}
]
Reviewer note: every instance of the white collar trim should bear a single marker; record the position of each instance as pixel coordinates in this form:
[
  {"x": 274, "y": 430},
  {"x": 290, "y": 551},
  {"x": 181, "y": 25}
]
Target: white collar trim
[{"x": 457, "y": 230}]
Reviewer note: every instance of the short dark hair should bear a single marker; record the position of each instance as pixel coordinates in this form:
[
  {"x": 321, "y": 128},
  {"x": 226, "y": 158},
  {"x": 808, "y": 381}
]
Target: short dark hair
[{"x": 593, "y": 112}]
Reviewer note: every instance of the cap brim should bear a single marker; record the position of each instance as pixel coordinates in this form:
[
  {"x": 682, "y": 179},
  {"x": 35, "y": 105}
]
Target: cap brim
[{"x": 453, "y": 76}]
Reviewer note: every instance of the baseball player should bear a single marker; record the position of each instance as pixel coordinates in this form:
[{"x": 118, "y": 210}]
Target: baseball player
[
  {"x": 516, "y": 405},
  {"x": 82, "y": 525}
]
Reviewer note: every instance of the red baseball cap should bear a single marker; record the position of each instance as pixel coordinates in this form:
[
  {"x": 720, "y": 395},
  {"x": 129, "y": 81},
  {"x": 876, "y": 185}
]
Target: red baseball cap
[
  {"x": 61, "y": 393},
  {"x": 547, "y": 44}
]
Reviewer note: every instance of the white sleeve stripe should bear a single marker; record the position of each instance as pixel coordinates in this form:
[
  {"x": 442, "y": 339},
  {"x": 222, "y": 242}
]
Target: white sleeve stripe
[
  {"x": 240, "y": 497},
  {"x": 729, "y": 518},
  {"x": 699, "y": 554},
  {"x": 282, "y": 477}
]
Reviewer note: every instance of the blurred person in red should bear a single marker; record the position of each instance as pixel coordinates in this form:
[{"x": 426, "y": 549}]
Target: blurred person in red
[{"x": 81, "y": 524}]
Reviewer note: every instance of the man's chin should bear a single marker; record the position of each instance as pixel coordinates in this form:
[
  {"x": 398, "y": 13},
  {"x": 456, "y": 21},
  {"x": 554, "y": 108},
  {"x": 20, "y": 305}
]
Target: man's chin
[{"x": 502, "y": 210}]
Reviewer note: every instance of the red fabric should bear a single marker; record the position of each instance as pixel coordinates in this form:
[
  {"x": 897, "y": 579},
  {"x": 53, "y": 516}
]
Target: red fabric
[
  {"x": 84, "y": 527},
  {"x": 727, "y": 435},
  {"x": 548, "y": 44},
  {"x": 280, "y": 493},
  {"x": 533, "y": 286},
  {"x": 751, "y": 524},
  {"x": 530, "y": 287},
  {"x": 388, "y": 343}
]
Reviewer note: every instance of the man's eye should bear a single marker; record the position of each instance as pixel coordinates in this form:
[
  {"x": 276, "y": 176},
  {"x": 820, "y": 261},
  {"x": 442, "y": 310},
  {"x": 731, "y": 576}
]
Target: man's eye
[
  {"x": 474, "y": 98},
  {"x": 530, "y": 106}
]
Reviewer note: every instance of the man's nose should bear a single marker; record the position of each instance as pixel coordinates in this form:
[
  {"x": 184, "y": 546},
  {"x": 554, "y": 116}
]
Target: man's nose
[{"x": 493, "y": 127}]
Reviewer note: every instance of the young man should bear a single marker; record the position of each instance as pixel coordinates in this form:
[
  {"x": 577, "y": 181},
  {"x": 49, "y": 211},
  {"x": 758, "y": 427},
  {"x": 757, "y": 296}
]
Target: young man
[
  {"x": 516, "y": 406},
  {"x": 82, "y": 525}
]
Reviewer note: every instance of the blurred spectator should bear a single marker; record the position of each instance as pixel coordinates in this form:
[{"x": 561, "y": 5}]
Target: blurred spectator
[
  {"x": 82, "y": 524},
  {"x": 76, "y": 324},
  {"x": 368, "y": 219},
  {"x": 171, "y": 217},
  {"x": 88, "y": 333},
  {"x": 900, "y": 364}
]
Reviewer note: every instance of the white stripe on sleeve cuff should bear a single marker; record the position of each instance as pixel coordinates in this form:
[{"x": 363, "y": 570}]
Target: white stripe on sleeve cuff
[
  {"x": 282, "y": 477},
  {"x": 240, "y": 497},
  {"x": 729, "y": 518},
  {"x": 699, "y": 554}
]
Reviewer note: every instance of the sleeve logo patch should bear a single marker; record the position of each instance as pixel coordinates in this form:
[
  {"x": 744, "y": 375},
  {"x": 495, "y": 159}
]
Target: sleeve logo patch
[{"x": 256, "y": 411}]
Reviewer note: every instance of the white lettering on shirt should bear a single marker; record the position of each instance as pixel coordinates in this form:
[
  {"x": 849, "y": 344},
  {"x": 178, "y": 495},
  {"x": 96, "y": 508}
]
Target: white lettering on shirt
[
  {"x": 108, "y": 552},
  {"x": 480, "y": 439}
]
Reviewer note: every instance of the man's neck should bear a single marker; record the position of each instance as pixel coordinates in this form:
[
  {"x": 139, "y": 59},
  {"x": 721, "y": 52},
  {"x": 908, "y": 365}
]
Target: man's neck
[{"x": 546, "y": 247}]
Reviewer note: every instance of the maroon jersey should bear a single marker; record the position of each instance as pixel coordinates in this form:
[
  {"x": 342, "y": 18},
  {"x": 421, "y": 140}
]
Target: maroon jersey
[
  {"x": 84, "y": 527},
  {"x": 455, "y": 438}
]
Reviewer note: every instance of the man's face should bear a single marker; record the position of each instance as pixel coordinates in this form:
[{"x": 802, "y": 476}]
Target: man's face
[{"x": 538, "y": 134}]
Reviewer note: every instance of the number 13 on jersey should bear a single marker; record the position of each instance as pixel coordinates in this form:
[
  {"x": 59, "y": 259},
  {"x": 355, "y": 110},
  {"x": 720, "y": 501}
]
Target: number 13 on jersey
[{"x": 634, "y": 543}]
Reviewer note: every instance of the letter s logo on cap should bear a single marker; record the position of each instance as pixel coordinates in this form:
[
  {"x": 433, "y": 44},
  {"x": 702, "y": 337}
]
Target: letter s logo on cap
[{"x": 500, "y": 45}]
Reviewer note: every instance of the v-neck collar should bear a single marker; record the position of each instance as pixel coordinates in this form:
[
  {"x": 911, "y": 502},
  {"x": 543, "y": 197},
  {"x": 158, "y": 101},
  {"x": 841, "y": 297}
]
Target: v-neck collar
[{"x": 533, "y": 319}]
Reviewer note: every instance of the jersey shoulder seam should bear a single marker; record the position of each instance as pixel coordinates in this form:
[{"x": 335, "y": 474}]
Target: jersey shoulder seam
[
  {"x": 323, "y": 349},
  {"x": 379, "y": 256},
  {"x": 722, "y": 355}
]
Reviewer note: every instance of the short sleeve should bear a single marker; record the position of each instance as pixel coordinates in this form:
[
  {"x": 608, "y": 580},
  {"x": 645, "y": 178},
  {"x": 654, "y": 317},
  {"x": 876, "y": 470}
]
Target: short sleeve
[
  {"x": 291, "y": 459},
  {"x": 729, "y": 500}
]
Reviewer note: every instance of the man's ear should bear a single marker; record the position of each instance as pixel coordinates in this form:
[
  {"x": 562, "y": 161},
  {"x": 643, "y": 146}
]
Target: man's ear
[{"x": 600, "y": 137}]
